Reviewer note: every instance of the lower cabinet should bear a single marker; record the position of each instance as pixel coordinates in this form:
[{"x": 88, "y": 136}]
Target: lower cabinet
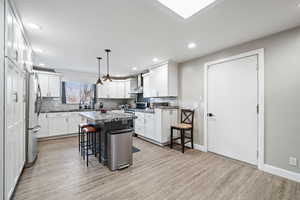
[
  {"x": 73, "y": 121},
  {"x": 43, "y": 122},
  {"x": 156, "y": 126},
  {"x": 55, "y": 124},
  {"x": 139, "y": 124},
  {"x": 58, "y": 123}
]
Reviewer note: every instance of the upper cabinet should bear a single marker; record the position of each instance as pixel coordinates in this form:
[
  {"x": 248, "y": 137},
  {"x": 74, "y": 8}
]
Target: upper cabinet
[
  {"x": 118, "y": 89},
  {"x": 161, "y": 81},
  {"x": 17, "y": 49},
  {"x": 50, "y": 84}
]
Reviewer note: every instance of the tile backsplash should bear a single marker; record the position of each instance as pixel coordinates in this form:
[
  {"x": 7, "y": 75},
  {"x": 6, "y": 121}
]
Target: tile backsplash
[{"x": 55, "y": 104}]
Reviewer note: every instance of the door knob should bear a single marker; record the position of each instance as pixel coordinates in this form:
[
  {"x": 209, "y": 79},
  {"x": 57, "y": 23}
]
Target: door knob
[{"x": 210, "y": 115}]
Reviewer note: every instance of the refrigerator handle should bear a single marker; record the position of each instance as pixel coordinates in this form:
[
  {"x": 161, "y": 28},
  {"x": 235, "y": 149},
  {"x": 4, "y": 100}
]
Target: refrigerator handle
[{"x": 39, "y": 99}]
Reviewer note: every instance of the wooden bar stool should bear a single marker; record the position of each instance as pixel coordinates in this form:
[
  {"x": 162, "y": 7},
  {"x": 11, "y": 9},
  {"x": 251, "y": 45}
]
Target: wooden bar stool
[
  {"x": 80, "y": 135},
  {"x": 89, "y": 143},
  {"x": 187, "y": 124}
]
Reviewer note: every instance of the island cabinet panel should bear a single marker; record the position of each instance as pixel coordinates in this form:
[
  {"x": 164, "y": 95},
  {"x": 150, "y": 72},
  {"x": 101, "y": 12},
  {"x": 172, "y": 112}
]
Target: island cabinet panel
[
  {"x": 156, "y": 126},
  {"x": 162, "y": 81},
  {"x": 50, "y": 84}
]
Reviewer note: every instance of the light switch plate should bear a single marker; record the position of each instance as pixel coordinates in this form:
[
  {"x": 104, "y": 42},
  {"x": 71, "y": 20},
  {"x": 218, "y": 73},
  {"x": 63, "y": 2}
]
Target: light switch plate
[{"x": 293, "y": 161}]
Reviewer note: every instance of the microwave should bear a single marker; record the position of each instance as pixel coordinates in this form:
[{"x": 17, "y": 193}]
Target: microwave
[{"x": 141, "y": 105}]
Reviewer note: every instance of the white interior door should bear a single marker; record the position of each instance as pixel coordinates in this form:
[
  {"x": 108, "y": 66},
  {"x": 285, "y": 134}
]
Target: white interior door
[{"x": 232, "y": 124}]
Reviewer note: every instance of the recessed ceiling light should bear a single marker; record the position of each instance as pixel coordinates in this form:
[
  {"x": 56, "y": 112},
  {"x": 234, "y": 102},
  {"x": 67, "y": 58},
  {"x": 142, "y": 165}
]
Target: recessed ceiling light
[
  {"x": 155, "y": 59},
  {"x": 191, "y": 45},
  {"x": 134, "y": 68},
  {"x": 186, "y": 8},
  {"x": 42, "y": 65},
  {"x": 34, "y": 26},
  {"x": 37, "y": 50}
]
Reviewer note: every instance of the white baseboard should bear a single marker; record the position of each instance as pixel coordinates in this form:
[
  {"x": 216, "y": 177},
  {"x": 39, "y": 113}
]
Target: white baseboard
[
  {"x": 197, "y": 147},
  {"x": 281, "y": 172}
]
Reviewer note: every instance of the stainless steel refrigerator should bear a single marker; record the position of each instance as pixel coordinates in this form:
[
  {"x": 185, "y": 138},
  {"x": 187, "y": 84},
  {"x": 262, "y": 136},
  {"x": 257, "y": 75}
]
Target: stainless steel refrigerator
[{"x": 33, "y": 111}]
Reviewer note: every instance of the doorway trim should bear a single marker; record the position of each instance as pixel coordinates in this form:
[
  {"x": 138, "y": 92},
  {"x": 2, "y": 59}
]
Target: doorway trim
[{"x": 260, "y": 75}]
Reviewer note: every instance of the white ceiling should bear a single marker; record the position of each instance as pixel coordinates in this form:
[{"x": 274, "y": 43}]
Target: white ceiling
[{"x": 75, "y": 32}]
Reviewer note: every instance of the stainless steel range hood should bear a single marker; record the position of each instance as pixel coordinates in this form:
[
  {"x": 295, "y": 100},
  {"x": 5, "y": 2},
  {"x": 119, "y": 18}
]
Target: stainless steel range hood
[{"x": 138, "y": 88}]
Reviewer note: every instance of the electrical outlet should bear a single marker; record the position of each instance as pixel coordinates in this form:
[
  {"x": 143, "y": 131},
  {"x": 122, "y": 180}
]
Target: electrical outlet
[{"x": 293, "y": 161}]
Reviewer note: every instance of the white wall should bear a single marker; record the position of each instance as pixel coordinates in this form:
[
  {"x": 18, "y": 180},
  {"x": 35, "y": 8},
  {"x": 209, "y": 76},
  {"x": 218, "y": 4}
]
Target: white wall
[
  {"x": 83, "y": 77},
  {"x": 282, "y": 93},
  {"x": 1, "y": 97}
]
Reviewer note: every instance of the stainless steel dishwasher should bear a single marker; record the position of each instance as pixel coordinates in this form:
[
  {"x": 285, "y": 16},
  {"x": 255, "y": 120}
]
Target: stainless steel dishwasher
[{"x": 119, "y": 152}]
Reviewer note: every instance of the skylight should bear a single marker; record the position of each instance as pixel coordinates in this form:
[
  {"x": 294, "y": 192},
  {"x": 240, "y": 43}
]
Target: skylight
[{"x": 186, "y": 8}]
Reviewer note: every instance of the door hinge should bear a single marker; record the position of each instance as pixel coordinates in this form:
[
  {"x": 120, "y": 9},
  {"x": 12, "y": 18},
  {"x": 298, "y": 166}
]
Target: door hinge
[{"x": 257, "y": 108}]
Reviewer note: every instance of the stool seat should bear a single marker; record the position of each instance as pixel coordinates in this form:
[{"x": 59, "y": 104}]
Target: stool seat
[
  {"x": 89, "y": 129},
  {"x": 183, "y": 126},
  {"x": 83, "y": 125}
]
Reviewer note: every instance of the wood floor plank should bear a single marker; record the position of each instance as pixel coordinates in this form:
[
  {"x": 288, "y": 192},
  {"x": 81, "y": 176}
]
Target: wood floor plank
[{"x": 158, "y": 173}]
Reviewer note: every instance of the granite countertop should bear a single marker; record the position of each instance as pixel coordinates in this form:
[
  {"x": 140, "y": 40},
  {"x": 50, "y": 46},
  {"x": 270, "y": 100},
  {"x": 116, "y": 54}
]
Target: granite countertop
[
  {"x": 107, "y": 117},
  {"x": 72, "y": 110},
  {"x": 148, "y": 110},
  {"x": 168, "y": 107}
]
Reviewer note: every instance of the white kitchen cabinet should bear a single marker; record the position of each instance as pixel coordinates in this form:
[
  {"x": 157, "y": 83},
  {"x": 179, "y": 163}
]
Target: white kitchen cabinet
[
  {"x": 15, "y": 91},
  {"x": 10, "y": 34},
  {"x": 161, "y": 81},
  {"x": 14, "y": 128},
  {"x": 54, "y": 85},
  {"x": 127, "y": 89},
  {"x": 43, "y": 122},
  {"x": 139, "y": 124},
  {"x": 44, "y": 84},
  {"x": 117, "y": 89},
  {"x": 73, "y": 122},
  {"x": 169, "y": 117},
  {"x": 147, "y": 86},
  {"x": 58, "y": 124},
  {"x": 50, "y": 84},
  {"x": 102, "y": 91},
  {"x": 156, "y": 126},
  {"x": 149, "y": 121},
  {"x": 62, "y": 123}
]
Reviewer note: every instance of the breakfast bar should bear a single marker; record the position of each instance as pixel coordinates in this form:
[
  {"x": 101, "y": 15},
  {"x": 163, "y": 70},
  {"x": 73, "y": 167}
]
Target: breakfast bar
[{"x": 115, "y": 136}]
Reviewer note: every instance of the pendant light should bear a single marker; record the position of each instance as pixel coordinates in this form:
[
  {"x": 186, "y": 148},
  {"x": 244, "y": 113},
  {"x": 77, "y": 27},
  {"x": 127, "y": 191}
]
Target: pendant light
[
  {"x": 99, "y": 81},
  {"x": 107, "y": 78}
]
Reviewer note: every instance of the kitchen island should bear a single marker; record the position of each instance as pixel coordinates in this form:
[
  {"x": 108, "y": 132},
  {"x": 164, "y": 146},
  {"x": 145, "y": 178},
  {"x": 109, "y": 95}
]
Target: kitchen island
[{"x": 107, "y": 123}]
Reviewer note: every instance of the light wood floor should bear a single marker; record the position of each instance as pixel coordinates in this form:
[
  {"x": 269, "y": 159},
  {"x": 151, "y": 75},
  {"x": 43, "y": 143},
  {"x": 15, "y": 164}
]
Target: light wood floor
[{"x": 157, "y": 174}]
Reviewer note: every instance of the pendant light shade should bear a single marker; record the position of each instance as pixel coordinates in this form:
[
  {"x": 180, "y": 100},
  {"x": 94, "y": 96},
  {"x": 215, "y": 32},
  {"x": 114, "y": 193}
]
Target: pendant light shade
[
  {"x": 99, "y": 81},
  {"x": 107, "y": 78}
]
